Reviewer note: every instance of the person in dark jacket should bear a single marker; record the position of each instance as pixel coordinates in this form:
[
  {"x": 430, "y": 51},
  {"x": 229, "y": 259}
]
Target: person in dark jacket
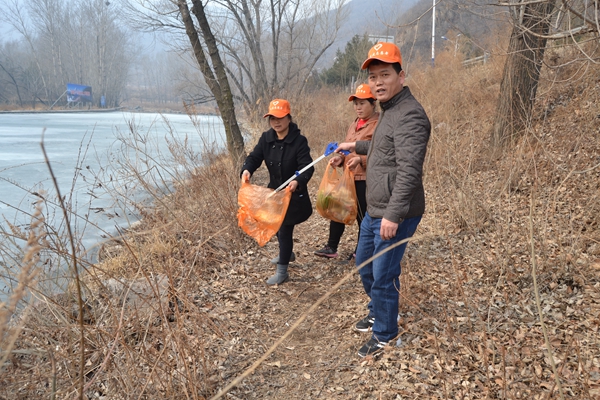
[
  {"x": 395, "y": 195},
  {"x": 284, "y": 151},
  {"x": 361, "y": 129}
]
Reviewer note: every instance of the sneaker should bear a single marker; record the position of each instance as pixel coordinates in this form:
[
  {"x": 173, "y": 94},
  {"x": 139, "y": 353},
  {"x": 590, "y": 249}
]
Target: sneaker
[
  {"x": 276, "y": 259},
  {"x": 372, "y": 347},
  {"x": 365, "y": 324},
  {"x": 326, "y": 252},
  {"x": 346, "y": 260}
]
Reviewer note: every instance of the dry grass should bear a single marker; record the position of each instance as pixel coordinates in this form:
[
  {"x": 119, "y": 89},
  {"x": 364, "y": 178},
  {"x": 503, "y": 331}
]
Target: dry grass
[{"x": 180, "y": 308}]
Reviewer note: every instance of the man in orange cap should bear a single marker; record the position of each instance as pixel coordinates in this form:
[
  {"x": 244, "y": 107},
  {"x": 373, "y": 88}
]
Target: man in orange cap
[{"x": 395, "y": 195}]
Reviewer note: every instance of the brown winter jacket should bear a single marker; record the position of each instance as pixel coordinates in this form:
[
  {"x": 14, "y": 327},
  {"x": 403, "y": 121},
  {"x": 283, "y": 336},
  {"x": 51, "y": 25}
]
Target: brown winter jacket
[
  {"x": 395, "y": 159},
  {"x": 354, "y": 135}
]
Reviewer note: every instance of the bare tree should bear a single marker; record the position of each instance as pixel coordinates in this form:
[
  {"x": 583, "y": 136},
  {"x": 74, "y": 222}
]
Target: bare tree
[
  {"x": 47, "y": 15},
  {"x": 214, "y": 72},
  {"x": 76, "y": 41},
  {"x": 265, "y": 47},
  {"x": 14, "y": 14},
  {"x": 268, "y": 47},
  {"x": 534, "y": 23},
  {"x": 272, "y": 46},
  {"x": 10, "y": 69}
]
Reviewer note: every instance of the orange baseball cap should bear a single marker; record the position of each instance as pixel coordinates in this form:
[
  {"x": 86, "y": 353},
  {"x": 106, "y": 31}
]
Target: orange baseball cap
[
  {"x": 278, "y": 108},
  {"x": 383, "y": 51},
  {"x": 363, "y": 92}
]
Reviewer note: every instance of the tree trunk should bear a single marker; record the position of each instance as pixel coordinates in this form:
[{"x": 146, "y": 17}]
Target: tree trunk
[
  {"x": 219, "y": 85},
  {"x": 14, "y": 81},
  {"x": 521, "y": 73}
]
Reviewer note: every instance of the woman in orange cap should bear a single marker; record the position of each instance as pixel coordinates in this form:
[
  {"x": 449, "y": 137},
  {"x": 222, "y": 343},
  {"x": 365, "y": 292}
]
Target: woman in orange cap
[
  {"x": 361, "y": 129},
  {"x": 284, "y": 151}
]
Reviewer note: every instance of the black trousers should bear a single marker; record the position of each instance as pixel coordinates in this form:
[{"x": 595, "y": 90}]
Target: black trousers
[
  {"x": 336, "y": 229},
  {"x": 285, "y": 236}
]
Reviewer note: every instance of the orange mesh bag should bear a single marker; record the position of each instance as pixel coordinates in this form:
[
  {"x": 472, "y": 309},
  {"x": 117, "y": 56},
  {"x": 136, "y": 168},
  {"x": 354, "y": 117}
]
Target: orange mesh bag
[
  {"x": 261, "y": 211},
  {"x": 336, "y": 198}
]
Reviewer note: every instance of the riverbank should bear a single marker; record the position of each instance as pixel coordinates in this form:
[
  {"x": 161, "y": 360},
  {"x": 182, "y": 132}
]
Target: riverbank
[
  {"x": 129, "y": 106},
  {"x": 507, "y": 254},
  {"x": 66, "y": 110}
]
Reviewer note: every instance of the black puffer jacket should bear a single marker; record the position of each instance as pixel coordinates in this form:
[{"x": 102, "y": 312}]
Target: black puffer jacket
[
  {"x": 395, "y": 159},
  {"x": 283, "y": 158}
]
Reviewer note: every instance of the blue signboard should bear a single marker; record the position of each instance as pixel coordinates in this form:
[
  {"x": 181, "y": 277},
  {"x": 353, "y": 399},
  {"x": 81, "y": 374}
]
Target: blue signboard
[{"x": 78, "y": 93}]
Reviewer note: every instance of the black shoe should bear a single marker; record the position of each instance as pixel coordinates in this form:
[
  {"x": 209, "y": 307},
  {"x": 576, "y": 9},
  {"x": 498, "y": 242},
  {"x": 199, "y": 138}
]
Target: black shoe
[
  {"x": 348, "y": 260},
  {"x": 327, "y": 252},
  {"x": 365, "y": 324},
  {"x": 372, "y": 347}
]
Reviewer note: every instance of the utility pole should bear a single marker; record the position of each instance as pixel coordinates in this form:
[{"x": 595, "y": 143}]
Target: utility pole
[{"x": 433, "y": 35}]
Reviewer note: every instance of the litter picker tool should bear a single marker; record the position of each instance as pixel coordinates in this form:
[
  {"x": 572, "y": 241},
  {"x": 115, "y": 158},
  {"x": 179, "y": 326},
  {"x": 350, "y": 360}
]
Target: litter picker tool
[{"x": 330, "y": 149}]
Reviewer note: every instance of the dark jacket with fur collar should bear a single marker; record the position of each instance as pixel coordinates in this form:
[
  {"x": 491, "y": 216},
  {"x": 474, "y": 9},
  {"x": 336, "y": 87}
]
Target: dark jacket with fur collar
[{"x": 283, "y": 158}]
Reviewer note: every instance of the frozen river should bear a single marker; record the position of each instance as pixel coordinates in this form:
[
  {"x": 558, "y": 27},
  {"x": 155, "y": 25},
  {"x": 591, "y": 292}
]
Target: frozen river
[{"x": 97, "y": 159}]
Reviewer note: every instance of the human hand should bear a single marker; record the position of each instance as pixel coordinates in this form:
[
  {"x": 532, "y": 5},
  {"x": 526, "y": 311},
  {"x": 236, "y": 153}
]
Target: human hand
[
  {"x": 388, "y": 229},
  {"x": 293, "y": 186},
  {"x": 336, "y": 161},
  {"x": 348, "y": 146},
  {"x": 353, "y": 162},
  {"x": 246, "y": 176}
]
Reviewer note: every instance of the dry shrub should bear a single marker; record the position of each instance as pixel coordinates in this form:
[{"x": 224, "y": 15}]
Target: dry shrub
[
  {"x": 145, "y": 302},
  {"x": 480, "y": 206},
  {"x": 460, "y": 103},
  {"x": 12, "y": 319}
]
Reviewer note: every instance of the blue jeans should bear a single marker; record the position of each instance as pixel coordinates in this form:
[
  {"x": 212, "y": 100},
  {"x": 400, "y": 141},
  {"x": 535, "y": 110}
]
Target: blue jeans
[{"x": 380, "y": 278}]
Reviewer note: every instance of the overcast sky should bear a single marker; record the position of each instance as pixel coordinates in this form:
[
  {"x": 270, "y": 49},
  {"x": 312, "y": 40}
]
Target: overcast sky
[{"x": 6, "y": 33}]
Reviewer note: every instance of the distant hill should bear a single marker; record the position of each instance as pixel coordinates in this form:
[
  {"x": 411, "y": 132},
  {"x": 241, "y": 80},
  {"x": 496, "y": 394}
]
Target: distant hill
[
  {"x": 373, "y": 17},
  {"x": 471, "y": 23},
  {"x": 409, "y": 22}
]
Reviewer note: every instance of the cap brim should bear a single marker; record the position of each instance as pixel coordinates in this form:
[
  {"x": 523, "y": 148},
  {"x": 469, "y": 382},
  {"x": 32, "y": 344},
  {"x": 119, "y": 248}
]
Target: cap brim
[
  {"x": 368, "y": 61},
  {"x": 274, "y": 115},
  {"x": 365, "y": 64},
  {"x": 360, "y": 98}
]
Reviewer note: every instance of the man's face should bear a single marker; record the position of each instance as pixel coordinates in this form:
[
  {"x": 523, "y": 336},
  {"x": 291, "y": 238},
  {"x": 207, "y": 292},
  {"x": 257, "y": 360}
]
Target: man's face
[{"x": 384, "y": 82}]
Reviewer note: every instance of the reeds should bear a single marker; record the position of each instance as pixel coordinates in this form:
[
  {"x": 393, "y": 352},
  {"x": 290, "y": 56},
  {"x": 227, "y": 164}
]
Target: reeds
[{"x": 12, "y": 322}]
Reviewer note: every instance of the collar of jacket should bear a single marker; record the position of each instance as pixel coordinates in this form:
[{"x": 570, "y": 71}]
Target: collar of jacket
[
  {"x": 374, "y": 118},
  {"x": 292, "y": 134},
  {"x": 404, "y": 93}
]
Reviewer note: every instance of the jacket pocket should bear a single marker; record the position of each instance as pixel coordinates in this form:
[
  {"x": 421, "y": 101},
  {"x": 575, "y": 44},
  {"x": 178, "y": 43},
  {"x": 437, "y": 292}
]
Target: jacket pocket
[{"x": 387, "y": 186}]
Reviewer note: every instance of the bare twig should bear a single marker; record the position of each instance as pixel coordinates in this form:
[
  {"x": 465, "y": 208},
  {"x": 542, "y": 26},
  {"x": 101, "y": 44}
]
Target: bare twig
[
  {"x": 302, "y": 317},
  {"x": 538, "y": 302},
  {"x": 75, "y": 270}
]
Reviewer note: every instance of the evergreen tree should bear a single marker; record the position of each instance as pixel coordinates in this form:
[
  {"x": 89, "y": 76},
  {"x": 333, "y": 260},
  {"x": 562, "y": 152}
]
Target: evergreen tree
[{"x": 347, "y": 63}]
